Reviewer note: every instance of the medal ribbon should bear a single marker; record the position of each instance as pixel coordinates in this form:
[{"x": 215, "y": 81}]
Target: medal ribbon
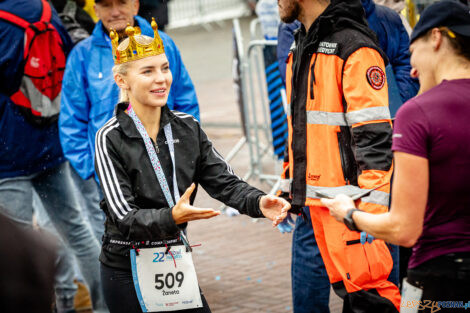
[{"x": 157, "y": 167}]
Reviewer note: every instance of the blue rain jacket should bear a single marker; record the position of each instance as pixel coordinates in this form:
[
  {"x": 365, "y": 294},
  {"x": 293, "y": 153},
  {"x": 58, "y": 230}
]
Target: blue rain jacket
[
  {"x": 394, "y": 41},
  {"x": 285, "y": 38},
  {"x": 24, "y": 149},
  {"x": 89, "y": 93}
]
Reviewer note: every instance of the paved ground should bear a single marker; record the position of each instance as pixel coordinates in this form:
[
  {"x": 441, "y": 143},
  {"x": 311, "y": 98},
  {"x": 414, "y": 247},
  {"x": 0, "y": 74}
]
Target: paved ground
[{"x": 243, "y": 264}]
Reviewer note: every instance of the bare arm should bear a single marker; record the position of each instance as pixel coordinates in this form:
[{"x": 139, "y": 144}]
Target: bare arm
[{"x": 404, "y": 223}]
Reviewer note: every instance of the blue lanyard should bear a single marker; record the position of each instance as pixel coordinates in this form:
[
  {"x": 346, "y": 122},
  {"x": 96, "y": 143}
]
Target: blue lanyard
[{"x": 154, "y": 158}]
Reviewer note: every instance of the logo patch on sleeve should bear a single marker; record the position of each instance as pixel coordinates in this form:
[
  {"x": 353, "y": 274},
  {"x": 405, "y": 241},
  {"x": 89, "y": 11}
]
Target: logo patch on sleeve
[{"x": 376, "y": 77}]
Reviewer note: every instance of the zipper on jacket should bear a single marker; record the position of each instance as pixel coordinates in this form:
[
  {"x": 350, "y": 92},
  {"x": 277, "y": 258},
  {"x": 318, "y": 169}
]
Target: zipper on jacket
[
  {"x": 155, "y": 145},
  {"x": 342, "y": 156},
  {"x": 312, "y": 77},
  {"x": 348, "y": 162}
]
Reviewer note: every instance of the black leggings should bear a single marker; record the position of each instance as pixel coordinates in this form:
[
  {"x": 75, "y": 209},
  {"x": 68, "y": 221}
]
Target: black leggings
[{"x": 120, "y": 296}]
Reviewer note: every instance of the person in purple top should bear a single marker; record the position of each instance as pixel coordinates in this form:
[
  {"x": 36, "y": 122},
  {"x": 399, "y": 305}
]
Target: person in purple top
[{"x": 430, "y": 209}]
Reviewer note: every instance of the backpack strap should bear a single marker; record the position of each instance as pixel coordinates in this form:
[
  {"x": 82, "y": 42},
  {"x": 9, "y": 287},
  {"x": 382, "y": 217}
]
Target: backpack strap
[
  {"x": 18, "y": 21},
  {"x": 12, "y": 18},
  {"x": 46, "y": 12}
]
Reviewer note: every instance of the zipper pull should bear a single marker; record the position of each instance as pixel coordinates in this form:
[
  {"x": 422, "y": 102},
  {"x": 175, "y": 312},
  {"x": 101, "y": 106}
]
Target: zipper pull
[{"x": 157, "y": 149}]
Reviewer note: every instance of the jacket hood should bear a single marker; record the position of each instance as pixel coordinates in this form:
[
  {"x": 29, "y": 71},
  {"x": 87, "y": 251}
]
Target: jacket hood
[{"x": 340, "y": 14}]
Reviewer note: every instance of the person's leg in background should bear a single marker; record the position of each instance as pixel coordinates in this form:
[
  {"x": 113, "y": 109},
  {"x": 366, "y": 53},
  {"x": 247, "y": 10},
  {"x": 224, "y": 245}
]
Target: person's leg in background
[
  {"x": 16, "y": 199},
  {"x": 89, "y": 196},
  {"x": 56, "y": 191},
  {"x": 394, "y": 276},
  {"x": 310, "y": 282},
  {"x": 64, "y": 286}
]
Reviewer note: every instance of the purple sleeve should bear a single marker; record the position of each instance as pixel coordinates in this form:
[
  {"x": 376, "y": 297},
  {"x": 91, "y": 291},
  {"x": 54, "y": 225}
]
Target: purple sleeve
[{"x": 411, "y": 131}]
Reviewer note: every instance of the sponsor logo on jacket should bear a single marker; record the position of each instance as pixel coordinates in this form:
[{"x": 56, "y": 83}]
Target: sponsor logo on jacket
[{"x": 312, "y": 177}]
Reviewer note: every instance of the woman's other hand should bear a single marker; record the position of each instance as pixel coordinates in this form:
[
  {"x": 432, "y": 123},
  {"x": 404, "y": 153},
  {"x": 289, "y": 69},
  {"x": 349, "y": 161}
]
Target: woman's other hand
[
  {"x": 184, "y": 212},
  {"x": 274, "y": 208},
  {"x": 339, "y": 206}
]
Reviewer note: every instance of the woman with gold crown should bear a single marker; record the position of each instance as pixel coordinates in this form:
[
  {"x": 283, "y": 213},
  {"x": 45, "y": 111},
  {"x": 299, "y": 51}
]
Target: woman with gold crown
[{"x": 147, "y": 156}]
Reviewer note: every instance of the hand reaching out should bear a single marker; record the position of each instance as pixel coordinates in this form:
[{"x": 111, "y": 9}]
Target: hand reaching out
[
  {"x": 274, "y": 208},
  {"x": 184, "y": 212}
]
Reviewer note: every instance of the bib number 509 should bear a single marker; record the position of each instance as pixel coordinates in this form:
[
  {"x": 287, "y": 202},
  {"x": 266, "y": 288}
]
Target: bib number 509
[{"x": 168, "y": 280}]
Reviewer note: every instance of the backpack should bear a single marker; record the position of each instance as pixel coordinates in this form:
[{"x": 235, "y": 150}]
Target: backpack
[
  {"x": 38, "y": 97},
  {"x": 76, "y": 32}
]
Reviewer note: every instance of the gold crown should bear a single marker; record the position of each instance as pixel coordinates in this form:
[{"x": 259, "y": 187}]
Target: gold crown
[{"x": 137, "y": 47}]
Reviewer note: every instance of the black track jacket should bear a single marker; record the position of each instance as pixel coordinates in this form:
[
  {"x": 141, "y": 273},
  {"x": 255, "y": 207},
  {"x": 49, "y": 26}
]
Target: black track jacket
[{"x": 135, "y": 206}]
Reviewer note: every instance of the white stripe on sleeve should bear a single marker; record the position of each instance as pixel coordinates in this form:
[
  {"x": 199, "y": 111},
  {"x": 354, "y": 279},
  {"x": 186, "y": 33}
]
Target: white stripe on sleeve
[{"x": 109, "y": 179}]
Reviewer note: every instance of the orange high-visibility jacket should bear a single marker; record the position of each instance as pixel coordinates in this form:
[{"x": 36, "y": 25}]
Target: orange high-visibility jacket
[
  {"x": 339, "y": 126},
  {"x": 340, "y": 136}
]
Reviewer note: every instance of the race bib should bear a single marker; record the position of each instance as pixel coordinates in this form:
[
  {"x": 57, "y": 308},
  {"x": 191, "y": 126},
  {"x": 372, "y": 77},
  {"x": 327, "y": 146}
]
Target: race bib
[{"x": 160, "y": 286}]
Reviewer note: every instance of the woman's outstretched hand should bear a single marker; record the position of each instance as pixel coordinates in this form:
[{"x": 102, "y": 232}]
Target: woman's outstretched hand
[
  {"x": 274, "y": 208},
  {"x": 184, "y": 212}
]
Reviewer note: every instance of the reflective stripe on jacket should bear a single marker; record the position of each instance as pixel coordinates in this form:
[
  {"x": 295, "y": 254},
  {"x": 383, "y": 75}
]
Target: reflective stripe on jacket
[
  {"x": 342, "y": 130},
  {"x": 339, "y": 141}
]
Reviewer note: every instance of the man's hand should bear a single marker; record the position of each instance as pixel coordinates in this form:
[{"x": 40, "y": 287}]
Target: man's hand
[
  {"x": 184, "y": 212},
  {"x": 274, "y": 208},
  {"x": 339, "y": 206}
]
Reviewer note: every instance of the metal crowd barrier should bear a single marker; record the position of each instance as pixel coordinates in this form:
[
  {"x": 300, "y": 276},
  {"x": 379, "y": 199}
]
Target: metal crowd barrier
[
  {"x": 202, "y": 12},
  {"x": 256, "y": 125}
]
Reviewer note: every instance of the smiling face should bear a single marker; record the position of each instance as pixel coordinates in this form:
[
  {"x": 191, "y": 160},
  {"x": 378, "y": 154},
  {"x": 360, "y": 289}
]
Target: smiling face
[
  {"x": 117, "y": 13},
  {"x": 289, "y": 10},
  {"x": 425, "y": 54},
  {"x": 147, "y": 81}
]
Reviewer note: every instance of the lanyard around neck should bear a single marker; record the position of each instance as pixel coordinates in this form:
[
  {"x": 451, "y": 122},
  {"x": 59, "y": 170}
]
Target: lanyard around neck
[{"x": 154, "y": 158}]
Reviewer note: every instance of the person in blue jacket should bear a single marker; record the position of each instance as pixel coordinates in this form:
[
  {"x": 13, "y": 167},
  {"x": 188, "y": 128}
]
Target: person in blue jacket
[
  {"x": 89, "y": 95},
  {"x": 395, "y": 42},
  {"x": 89, "y": 92},
  {"x": 310, "y": 283},
  {"x": 31, "y": 158}
]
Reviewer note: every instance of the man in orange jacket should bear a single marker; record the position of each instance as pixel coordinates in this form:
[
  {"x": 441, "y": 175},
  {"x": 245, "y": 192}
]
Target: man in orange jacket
[{"x": 340, "y": 142}]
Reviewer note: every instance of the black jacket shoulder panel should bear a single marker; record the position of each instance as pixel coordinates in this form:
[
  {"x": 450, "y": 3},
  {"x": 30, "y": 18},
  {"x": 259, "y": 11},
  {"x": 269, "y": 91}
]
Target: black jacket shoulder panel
[{"x": 348, "y": 41}]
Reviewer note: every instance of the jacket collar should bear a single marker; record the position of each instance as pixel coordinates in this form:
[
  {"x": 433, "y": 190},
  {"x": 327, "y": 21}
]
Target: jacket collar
[
  {"x": 339, "y": 14},
  {"x": 100, "y": 36},
  {"x": 127, "y": 124}
]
